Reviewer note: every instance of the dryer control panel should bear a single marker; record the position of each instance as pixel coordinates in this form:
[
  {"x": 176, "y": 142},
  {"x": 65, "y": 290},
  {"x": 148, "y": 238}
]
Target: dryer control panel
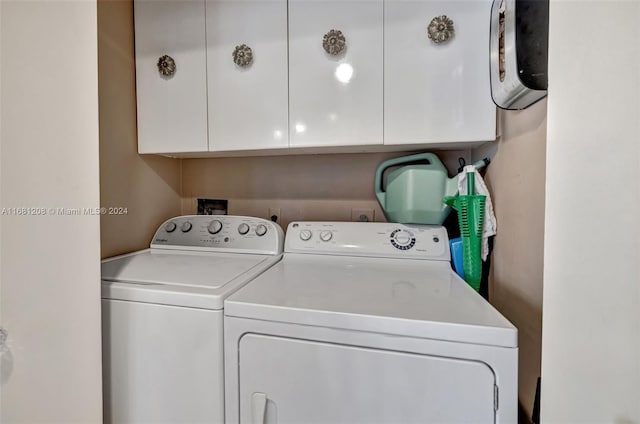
[
  {"x": 222, "y": 233},
  {"x": 385, "y": 240}
]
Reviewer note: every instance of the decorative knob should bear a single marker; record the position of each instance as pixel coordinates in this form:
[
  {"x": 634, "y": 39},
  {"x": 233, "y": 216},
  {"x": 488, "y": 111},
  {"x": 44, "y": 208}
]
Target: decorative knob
[
  {"x": 440, "y": 29},
  {"x": 166, "y": 66},
  {"x": 243, "y": 55},
  {"x": 334, "y": 42}
]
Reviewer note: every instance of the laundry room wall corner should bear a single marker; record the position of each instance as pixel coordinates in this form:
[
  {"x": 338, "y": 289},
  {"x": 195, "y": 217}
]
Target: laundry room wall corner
[
  {"x": 516, "y": 179},
  {"x": 143, "y": 190}
]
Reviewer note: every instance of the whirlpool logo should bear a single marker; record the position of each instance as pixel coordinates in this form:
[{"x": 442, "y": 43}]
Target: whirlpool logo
[{"x": 159, "y": 240}]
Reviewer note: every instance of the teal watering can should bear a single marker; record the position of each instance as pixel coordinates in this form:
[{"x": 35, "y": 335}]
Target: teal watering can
[{"x": 414, "y": 193}]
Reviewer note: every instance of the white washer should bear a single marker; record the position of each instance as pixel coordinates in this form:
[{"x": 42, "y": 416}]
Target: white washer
[
  {"x": 366, "y": 323},
  {"x": 162, "y": 316}
]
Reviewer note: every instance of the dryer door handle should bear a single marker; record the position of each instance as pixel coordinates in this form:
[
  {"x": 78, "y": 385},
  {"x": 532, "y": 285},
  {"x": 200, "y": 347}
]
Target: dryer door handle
[{"x": 258, "y": 407}]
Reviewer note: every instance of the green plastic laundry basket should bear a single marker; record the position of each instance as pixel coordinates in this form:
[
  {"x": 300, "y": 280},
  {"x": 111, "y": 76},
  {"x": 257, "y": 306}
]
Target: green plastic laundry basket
[{"x": 471, "y": 221}]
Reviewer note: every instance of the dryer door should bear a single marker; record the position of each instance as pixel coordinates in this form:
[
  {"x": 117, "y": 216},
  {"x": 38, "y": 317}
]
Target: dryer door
[{"x": 298, "y": 381}]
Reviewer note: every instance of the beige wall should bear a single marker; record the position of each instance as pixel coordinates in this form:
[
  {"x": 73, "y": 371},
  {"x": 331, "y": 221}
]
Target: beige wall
[
  {"x": 516, "y": 179},
  {"x": 148, "y": 186},
  {"x": 591, "y": 321},
  {"x": 309, "y": 187},
  {"x": 50, "y": 280}
]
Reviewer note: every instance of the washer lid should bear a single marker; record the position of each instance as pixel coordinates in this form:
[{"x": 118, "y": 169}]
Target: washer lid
[
  {"x": 181, "y": 278},
  {"x": 423, "y": 299}
]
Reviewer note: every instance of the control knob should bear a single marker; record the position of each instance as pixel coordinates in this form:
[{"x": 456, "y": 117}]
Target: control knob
[
  {"x": 305, "y": 235},
  {"x": 243, "y": 229},
  {"x": 170, "y": 227},
  {"x": 326, "y": 235},
  {"x": 214, "y": 227},
  {"x": 261, "y": 230},
  {"x": 402, "y": 238},
  {"x": 186, "y": 227}
]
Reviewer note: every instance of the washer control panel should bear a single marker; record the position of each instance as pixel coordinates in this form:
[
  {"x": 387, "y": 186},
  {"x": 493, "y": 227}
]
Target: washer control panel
[
  {"x": 369, "y": 239},
  {"x": 220, "y": 233}
]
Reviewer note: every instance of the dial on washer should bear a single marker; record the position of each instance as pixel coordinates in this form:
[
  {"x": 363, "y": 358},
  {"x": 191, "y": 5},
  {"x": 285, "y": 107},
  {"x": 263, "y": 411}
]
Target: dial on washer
[
  {"x": 261, "y": 230},
  {"x": 214, "y": 227},
  {"x": 243, "y": 229}
]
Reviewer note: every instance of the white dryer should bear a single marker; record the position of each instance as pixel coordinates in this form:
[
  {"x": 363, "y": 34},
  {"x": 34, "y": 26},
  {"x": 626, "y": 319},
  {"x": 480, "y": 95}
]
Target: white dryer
[
  {"x": 366, "y": 323},
  {"x": 162, "y": 316}
]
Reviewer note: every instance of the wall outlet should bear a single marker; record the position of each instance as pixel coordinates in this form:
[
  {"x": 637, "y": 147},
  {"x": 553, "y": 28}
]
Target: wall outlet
[
  {"x": 213, "y": 206},
  {"x": 362, "y": 215},
  {"x": 274, "y": 215}
]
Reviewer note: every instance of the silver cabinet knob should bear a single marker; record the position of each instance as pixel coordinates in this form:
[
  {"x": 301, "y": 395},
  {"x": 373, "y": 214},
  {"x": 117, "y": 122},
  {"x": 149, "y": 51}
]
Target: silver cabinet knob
[
  {"x": 334, "y": 42},
  {"x": 243, "y": 55},
  {"x": 166, "y": 66},
  {"x": 440, "y": 29}
]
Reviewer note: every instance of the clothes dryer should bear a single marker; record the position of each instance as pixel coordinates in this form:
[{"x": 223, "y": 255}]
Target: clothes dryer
[{"x": 367, "y": 323}]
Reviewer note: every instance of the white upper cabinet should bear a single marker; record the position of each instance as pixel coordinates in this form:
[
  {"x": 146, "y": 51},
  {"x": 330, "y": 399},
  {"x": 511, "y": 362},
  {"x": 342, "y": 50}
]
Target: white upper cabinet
[
  {"x": 248, "y": 104},
  {"x": 268, "y": 75},
  {"x": 437, "y": 92},
  {"x": 335, "y": 100},
  {"x": 172, "y": 108}
]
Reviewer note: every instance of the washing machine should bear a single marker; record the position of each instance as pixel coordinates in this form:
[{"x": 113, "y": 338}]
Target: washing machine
[
  {"x": 366, "y": 323},
  {"x": 162, "y": 316}
]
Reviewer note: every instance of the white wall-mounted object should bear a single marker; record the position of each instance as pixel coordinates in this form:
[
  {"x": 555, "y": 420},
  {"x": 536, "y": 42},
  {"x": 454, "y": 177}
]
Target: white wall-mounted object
[
  {"x": 248, "y": 106},
  {"x": 519, "y": 40},
  {"x": 335, "y": 100},
  {"x": 172, "y": 109},
  {"x": 437, "y": 92}
]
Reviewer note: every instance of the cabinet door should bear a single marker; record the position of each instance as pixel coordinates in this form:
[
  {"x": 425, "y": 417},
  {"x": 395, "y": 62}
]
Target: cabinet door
[
  {"x": 335, "y": 100},
  {"x": 291, "y": 381},
  {"x": 437, "y": 93},
  {"x": 172, "y": 110},
  {"x": 247, "y": 104}
]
